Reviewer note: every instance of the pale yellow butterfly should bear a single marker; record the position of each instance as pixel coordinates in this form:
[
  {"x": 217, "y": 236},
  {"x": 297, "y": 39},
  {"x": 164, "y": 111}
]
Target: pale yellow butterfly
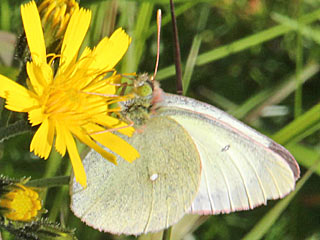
[{"x": 194, "y": 159}]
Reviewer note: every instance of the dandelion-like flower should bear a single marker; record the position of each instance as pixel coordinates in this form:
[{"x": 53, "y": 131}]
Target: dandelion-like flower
[
  {"x": 21, "y": 203},
  {"x": 75, "y": 99}
]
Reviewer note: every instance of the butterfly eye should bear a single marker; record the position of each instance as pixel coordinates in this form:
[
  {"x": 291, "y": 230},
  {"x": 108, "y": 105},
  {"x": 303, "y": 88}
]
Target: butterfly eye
[{"x": 144, "y": 90}]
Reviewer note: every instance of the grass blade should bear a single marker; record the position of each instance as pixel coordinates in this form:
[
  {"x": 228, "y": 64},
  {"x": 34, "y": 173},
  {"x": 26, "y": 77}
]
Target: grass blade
[
  {"x": 242, "y": 44},
  {"x": 196, "y": 43},
  {"x": 133, "y": 56},
  {"x": 273, "y": 95},
  {"x": 306, "y": 156},
  {"x": 300, "y": 26},
  {"x": 298, "y": 126}
]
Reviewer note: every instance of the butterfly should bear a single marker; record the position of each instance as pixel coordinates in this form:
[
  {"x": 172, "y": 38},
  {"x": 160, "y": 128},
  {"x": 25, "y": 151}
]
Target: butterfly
[{"x": 195, "y": 159}]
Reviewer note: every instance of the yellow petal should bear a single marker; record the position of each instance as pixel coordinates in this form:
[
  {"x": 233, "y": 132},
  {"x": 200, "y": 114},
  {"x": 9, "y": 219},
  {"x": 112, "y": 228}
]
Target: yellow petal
[
  {"x": 87, "y": 140},
  {"x": 32, "y": 26},
  {"x": 8, "y": 85},
  {"x": 42, "y": 141},
  {"x": 102, "y": 86},
  {"x": 19, "y": 98},
  {"x": 105, "y": 85},
  {"x": 36, "y": 116},
  {"x": 61, "y": 138},
  {"x": 40, "y": 76},
  {"x": 76, "y": 162},
  {"x": 109, "y": 51},
  {"x": 75, "y": 33},
  {"x": 113, "y": 123},
  {"x": 117, "y": 145},
  {"x": 114, "y": 143},
  {"x": 84, "y": 54}
]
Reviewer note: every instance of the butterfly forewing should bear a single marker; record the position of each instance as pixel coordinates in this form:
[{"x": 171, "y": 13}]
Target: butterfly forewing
[{"x": 148, "y": 195}]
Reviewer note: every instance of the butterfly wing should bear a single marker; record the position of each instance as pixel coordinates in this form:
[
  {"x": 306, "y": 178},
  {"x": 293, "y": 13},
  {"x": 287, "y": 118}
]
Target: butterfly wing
[
  {"x": 148, "y": 195},
  {"x": 241, "y": 168}
]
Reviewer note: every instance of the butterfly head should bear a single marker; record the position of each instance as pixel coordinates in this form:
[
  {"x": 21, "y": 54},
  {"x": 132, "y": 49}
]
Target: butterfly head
[{"x": 137, "y": 109}]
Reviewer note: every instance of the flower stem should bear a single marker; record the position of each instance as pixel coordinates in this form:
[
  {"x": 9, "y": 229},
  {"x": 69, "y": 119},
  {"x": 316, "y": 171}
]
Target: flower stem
[
  {"x": 14, "y": 129},
  {"x": 49, "y": 182},
  {"x": 167, "y": 234}
]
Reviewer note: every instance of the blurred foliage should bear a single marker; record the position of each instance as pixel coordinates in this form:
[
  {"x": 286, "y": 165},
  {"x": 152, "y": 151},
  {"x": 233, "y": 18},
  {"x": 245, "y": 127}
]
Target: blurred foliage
[{"x": 256, "y": 59}]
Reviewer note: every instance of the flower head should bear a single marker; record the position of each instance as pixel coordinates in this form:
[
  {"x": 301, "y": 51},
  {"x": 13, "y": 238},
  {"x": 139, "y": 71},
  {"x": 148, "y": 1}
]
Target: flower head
[
  {"x": 19, "y": 203},
  {"x": 75, "y": 99},
  {"x": 55, "y": 16},
  {"x": 57, "y": 13}
]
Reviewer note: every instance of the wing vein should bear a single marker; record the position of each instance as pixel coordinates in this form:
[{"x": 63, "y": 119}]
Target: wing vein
[
  {"x": 258, "y": 179},
  {"x": 206, "y": 179},
  {"x": 151, "y": 210}
]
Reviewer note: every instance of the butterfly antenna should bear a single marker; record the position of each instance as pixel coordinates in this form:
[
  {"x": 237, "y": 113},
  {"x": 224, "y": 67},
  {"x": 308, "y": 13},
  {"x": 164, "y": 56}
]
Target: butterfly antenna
[
  {"x": 158, "y": 43},
  {"x": 177, "y": 57}
]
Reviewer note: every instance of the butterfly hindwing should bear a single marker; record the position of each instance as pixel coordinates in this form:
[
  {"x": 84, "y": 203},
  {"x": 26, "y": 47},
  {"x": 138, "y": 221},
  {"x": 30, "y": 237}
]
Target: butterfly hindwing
[{"x": 241, "y": 168}]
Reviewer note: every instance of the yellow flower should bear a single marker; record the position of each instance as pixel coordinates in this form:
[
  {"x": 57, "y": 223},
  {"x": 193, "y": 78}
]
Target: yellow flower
[
  {"x": 21, "y": 203},
  {"x": 55, "y": 16},
  {"x": 75, "y": 99}
]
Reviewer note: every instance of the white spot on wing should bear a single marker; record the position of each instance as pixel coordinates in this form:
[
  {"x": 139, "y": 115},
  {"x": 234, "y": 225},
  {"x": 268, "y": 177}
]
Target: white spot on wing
[{"x": 154, "y": 177}]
